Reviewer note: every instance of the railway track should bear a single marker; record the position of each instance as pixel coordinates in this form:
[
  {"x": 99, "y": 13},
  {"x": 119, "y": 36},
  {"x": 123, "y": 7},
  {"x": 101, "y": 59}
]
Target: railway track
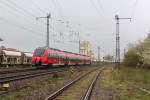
[
  {"x": 86, "y": 92},
  {"x": 15, "y": 78},
  {"x": 22, "y": 73},
  {"x": 90, "y": 89},
  {"x": 5, "y": 79},
  {"x": 16, "y": 71}
]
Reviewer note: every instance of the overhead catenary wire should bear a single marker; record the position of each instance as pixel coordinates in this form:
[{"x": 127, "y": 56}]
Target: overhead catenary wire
[
  {"x": 98, "y": 11},
  {"x": 25, "y": 29},
  {"x": 60, "y": 11},
  {"x": 23, "y": 10},
  {"x": 134, "y": 9},
  {"x": 101, "y": 7},
  {"x": 21, "y": 13},
  {"x": 13, "y": 8},
  {"x": 37, "y": 6},
  {"x": 57, "y": 8},
  {"x": 20, "y": 26},
  {"x": 19, "y": 9},
  {"x": 27, "y": 20},
  {"x": 60, "y": 8}
]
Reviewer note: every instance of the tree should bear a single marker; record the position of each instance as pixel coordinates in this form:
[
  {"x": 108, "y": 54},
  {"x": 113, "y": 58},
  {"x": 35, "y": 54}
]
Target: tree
[{"x": 133, "y": 59}]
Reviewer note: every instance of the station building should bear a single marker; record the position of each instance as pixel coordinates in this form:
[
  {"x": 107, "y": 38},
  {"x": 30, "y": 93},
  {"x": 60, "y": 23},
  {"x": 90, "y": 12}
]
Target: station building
[{"x": 86, "y": 49}]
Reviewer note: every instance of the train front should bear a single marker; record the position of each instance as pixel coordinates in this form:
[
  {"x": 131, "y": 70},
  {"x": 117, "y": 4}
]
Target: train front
[{"x": 39, "y": 57}]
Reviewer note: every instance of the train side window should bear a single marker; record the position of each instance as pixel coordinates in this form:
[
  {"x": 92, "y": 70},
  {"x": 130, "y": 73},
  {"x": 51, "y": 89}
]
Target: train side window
[
  {"x": 18, "y": 60},
  {"x": 28, "y": 60},
  {"x": 4, "y": 59},
  {"x": 8, "y": 60},
  {"x": 0, "y": 60}
]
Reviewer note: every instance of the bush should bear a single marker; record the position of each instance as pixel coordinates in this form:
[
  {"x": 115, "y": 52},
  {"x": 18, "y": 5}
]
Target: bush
[{"x": 132, "y": 59}]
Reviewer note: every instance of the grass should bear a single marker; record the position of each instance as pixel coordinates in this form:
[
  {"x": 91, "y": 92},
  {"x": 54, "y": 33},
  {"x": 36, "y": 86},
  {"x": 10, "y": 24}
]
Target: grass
[
  {"x": 18, "y": 95},
  {"x": 129, "y": 80},
  {"x": 15, "y": 68},
  {"x": 53, "y": 82}
]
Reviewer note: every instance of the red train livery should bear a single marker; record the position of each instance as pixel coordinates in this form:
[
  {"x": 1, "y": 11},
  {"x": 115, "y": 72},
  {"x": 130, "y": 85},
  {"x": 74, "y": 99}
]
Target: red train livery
[{"x": 50, "y": 56}]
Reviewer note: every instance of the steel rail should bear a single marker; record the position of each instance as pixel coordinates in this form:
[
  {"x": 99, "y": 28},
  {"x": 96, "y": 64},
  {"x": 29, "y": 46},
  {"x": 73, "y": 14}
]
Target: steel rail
[
  {"x": 26, "y": 76},
  {"x": 89, "y": 91},
  {"x": 6, "y": 92},
  {"x": 58, "y": 92},
  {"x": 15, "y": 71}
]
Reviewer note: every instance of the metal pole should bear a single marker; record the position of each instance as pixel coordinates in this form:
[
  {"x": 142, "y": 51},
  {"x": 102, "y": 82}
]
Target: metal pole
[
  {"x": 48, "y": 17},
  {"x": 98, "y": 53},
  {"x": 79, "y": 45},
  {"x": 79, "y": 38},
  {"x": 117, "y": 58},
  {"x": 47, "y": 36}
]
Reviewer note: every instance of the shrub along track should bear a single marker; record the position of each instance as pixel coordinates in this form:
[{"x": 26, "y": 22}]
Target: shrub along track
[{"x": 78, "y": 89}]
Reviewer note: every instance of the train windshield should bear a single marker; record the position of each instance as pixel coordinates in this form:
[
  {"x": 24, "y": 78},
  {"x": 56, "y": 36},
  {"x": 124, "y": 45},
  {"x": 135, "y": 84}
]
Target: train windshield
[{"x": 39, "y": 52}]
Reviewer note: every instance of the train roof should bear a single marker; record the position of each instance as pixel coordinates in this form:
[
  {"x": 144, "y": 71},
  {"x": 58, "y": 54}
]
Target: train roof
[
  {"x": 28, "y": 54},
  {"x": 61, "y": 51},
  {"x": 12, "y": 53}
]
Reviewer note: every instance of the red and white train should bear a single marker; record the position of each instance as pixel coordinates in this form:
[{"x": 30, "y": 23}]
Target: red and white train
[{"x": 50, "y": 56}]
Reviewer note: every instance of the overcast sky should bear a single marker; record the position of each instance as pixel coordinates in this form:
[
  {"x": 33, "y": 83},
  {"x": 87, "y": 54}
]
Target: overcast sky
[{"x": 93, "y": 19}]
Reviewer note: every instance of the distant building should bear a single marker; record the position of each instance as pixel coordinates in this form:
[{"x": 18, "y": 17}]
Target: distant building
[{"x": 85, "y": 48}]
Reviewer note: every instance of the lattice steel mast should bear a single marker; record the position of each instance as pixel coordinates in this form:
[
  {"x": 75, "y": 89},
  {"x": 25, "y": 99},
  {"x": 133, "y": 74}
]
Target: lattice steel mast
[
  {"x": 47, "y": 17},
  {"x": 117, "y": 58}
]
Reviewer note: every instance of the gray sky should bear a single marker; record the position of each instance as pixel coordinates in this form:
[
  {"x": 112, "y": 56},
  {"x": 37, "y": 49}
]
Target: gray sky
[{"x": 94, "y": 19}]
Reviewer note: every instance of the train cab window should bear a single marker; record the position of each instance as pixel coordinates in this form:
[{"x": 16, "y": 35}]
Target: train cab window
[{"x": 39, "y": 52}]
